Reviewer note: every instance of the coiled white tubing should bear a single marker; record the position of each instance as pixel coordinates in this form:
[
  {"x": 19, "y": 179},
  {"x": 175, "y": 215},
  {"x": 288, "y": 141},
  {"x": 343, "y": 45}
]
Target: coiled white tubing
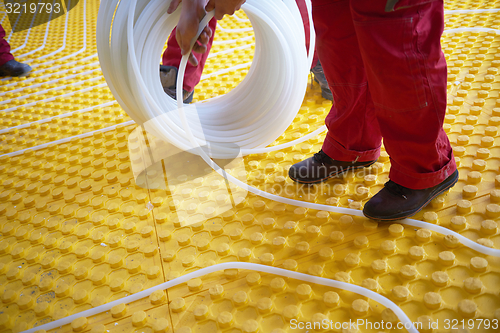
[{"x": 252, "y": 115}]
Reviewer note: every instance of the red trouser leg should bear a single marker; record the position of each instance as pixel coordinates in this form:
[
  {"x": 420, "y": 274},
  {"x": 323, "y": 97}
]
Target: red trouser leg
[
  {"x": 404, "y": 100},
  {"x": 353, "y": 132},
  {"x": 305, "y": 18},
  {"x": 172, "y": 57},
  {"x": 5, "y": 54}
]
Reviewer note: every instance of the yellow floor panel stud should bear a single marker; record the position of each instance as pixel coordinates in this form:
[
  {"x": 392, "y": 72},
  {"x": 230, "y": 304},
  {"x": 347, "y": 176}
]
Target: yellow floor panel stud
[{"x": 78, "y": 229}]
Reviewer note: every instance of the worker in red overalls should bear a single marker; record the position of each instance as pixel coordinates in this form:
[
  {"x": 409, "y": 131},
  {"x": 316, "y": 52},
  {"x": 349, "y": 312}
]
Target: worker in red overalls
[
  {"x": 384, "y": 65},
  {"x": 8, "y": 65}
]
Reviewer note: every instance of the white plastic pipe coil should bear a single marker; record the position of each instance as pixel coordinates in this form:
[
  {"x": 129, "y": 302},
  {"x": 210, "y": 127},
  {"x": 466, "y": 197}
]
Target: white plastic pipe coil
[{"x": 252, "y": 115}]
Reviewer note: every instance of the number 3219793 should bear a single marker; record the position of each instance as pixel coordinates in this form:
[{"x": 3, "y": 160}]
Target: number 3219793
[
  {"x": 41, "y": 8},
  {"x": 471, "y": 324}
]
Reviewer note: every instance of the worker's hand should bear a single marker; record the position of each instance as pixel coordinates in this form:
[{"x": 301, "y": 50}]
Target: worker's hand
[
  {"x": 193, "y": 11},
  {"x": 200, "y": 46},
  {"x": 223, "y": 7}
]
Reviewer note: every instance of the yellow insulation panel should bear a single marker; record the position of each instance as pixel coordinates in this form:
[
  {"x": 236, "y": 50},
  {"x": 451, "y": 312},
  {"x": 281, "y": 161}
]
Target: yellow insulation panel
[{"x": 78, "y": 230}]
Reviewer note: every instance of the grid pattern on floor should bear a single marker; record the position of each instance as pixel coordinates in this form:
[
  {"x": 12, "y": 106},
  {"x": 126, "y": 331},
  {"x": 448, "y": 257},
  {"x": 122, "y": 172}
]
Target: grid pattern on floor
[{"x": 78, "y": 230}]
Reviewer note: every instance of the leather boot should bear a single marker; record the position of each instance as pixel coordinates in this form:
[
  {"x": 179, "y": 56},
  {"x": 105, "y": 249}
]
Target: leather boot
[
  {"x": 321, "y": 167},
  {"x": 14, "y": 68},
  {"x": 395, "y": 202}
]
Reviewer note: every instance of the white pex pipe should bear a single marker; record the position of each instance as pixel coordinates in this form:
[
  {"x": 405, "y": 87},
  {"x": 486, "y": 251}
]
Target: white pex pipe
[
  {"x": 61, "y": 116},
  {"x": 44, "y": 40},
  {"x": 27, "y": 34},
  {"x": 133, "y": 65},
  {"x": 233, "y": 30},
  {"x": 471, "y": 29},
  {"x": 473, "y": 11},
  {"x": 235, "y": 265}
]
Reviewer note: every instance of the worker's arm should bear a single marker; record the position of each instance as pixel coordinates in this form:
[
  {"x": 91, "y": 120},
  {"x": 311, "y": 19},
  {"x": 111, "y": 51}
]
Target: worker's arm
[{"x": 192, "y": 13}]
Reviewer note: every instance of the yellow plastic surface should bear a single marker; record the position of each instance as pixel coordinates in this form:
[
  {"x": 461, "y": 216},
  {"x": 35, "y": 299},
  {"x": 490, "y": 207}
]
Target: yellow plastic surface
[{"x": 78, "y": 231}]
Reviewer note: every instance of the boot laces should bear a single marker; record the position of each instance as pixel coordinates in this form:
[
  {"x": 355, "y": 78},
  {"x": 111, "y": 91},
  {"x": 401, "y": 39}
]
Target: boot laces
[
  {"x": 322, "y": 157},
  {"x": 397, "y": 189}
]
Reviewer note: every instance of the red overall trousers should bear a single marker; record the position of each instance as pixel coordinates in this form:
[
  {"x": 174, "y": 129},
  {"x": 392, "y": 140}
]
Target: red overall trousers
[
  {"x": 388, "y": 77},
  {"x": 5, "y": 54},
  {"x": 172, "y": 55}
]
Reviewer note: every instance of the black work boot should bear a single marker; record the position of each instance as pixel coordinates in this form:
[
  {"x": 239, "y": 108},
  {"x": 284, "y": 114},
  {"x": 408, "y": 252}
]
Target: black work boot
[
  {"x": 321, "y": 167},
  {"x": 395, "y": 202},
  {"x": 168, "y": 78},
  {"x": 319, "y": 76},
  {"x": 14, "y": 68}
]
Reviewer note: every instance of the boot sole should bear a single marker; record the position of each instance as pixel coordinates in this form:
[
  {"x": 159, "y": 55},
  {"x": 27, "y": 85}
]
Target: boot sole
[
  {"x": 414, "y": 211},
  {"x": 330, "y": 176}
]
